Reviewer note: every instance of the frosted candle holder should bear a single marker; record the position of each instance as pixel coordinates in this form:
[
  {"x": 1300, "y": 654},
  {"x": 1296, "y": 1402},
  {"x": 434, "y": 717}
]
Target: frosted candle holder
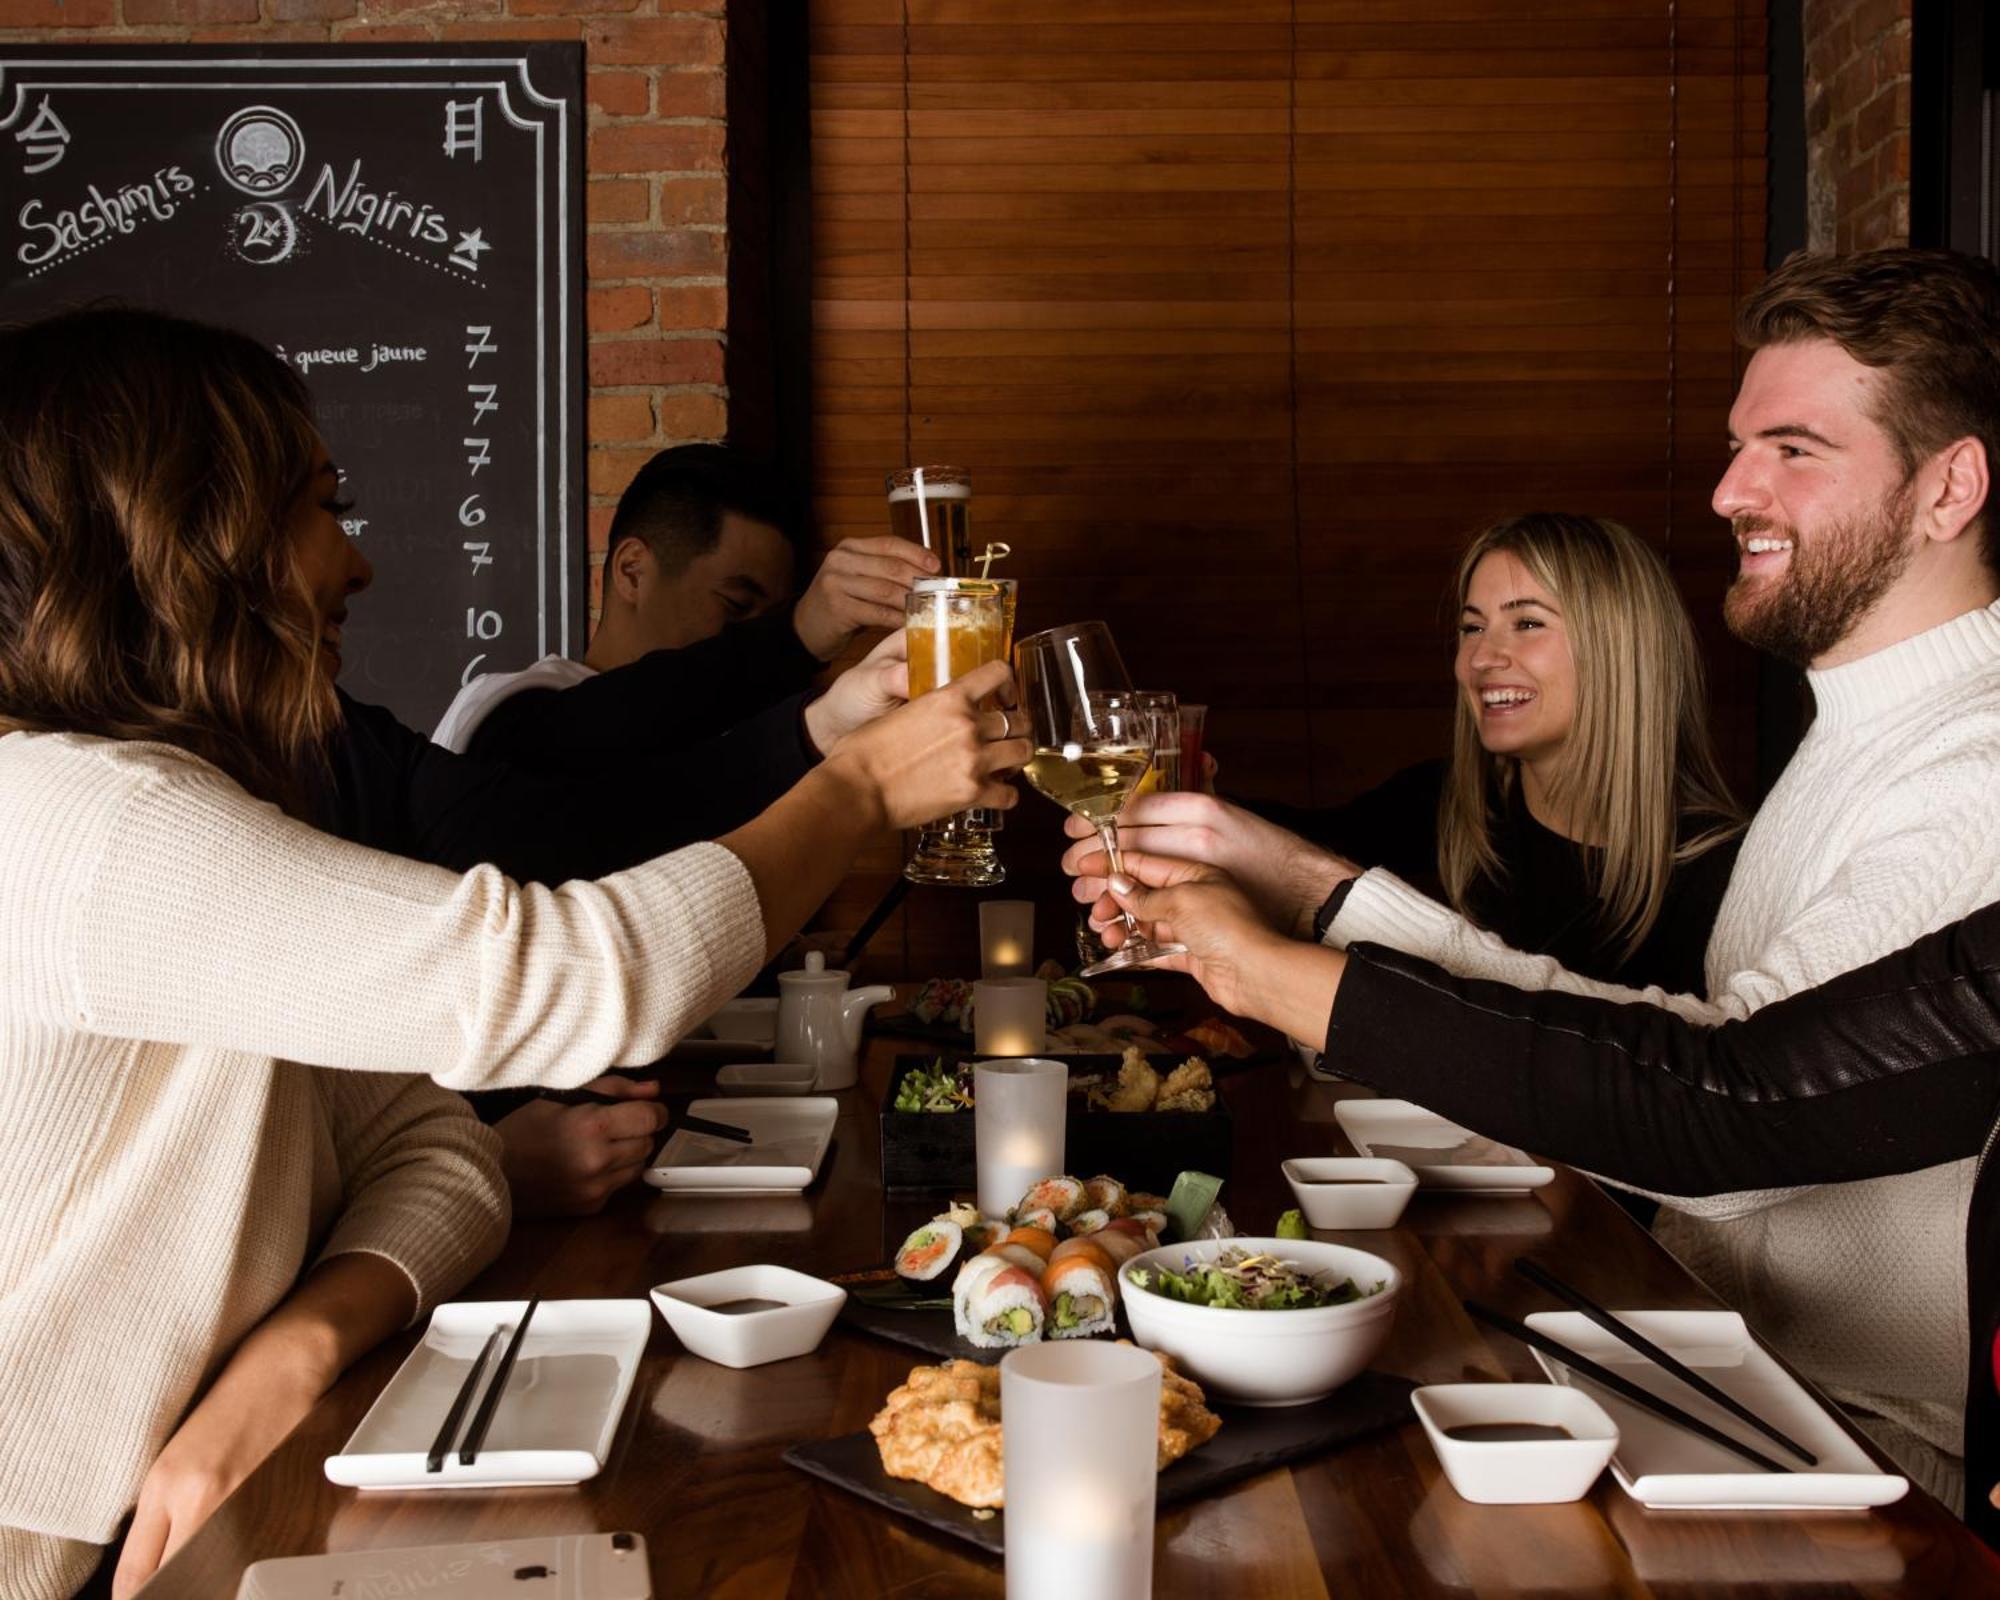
[
  {"x": 1018, "y": 1111},
  {"x": 1006, "y": 939},
  {"x": 1080, "y": 1436},
  {"x": 1010, "y": 1016}
]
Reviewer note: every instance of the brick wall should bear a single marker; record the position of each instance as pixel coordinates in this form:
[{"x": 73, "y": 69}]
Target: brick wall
[
  {"x": 1857, "y": 123},
  {"x": 656, "y": 207}
]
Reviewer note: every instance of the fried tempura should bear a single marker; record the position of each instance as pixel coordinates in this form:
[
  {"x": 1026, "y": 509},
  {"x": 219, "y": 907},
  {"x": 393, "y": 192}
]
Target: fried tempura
[
  {"x": 1189, "y": 1087},
  {"x": 1138, "y": 1084}
]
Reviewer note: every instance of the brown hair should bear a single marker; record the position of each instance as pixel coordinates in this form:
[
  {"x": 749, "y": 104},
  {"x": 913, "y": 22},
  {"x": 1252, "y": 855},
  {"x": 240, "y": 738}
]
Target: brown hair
[
  {"x": 1928, "y": 320},
  {"x": 1639, "y": 777},
  {"x": 148, "y": 589}
]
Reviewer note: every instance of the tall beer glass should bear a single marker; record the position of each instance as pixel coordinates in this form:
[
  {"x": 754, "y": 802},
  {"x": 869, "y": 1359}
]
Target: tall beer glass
[
  {"x": 932, "y": 506},
  {"x": 955, "y": 625}
]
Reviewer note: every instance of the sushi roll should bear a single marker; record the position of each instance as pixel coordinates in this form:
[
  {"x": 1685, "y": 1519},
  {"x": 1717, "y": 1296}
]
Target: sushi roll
[
  {"x": 1119, "y": 1246},
  {"x": 1154, "y": 1222},
  {"x": 1089, "y": 1249},
  {"x": 977, "y": 1272},
  {"x": 1063, "y": 1196},
  {"x": 1103, "y": 1193},
  {"x": 1132, "y": 1228},
  {"x": 929, "y": 1251},
  {"x": 982, "y": 1234},
  {"x": 1018, "y": 1255},
  {"x": 1080, "y": 1297},
  {"x": 1006, "y": 1309},
  {"x": 1038, "y": 1239},
  {"x": 1085, "y": 1222},
  {"x": 1041, "y": 1219}
]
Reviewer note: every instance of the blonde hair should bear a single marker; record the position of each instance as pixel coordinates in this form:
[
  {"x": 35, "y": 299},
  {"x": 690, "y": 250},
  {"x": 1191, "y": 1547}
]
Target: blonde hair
[
  {"x": 1638, "y": 769},
  {"x": 149, "y": 588}
]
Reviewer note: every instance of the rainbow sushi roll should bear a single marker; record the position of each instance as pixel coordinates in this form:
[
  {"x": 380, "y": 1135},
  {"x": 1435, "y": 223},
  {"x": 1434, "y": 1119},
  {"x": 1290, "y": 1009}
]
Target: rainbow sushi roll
[
  {"x": 1036, "y": 1238},
  {"x": 1016, "y": 1255},
  {"x": 1005, "y": 1308},
  {"x": 976, "y": 1273},
  {"x": 1154, "y": 1222},
  {"x": 930, "y": 1250},
  {"x": 1081, "y": 1296},
  {"x": 1119, "y": 1246},
  {"x": 1103, "y": 1193},
  {"x": 1088, "y": 1222},
  {"x": 1063, "y": 1196}
]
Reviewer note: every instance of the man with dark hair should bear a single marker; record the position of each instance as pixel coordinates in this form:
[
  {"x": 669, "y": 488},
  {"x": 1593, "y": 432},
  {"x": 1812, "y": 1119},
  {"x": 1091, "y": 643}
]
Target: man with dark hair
[{"x": 695, "y": 635}]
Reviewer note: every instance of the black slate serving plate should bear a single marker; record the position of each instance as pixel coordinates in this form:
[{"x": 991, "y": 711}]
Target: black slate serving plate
[
  {"x": 1253, "y": 1440},
  {"x": 928, "y": 1331}
]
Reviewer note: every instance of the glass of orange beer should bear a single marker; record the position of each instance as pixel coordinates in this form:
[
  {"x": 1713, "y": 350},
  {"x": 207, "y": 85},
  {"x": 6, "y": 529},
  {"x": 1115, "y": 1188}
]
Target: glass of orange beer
[{"x": 955, "y": 625}]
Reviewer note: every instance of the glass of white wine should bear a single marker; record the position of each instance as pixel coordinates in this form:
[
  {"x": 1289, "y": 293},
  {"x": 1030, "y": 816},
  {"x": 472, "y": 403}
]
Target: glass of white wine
[{"x": 1093, "y": 743}]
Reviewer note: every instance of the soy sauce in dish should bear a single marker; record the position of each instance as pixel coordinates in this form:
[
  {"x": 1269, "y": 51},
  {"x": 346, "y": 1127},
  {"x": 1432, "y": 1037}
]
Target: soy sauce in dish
[
  {"x": 1507, "y": 1432},
  {"x": 743, "y": 1307}
]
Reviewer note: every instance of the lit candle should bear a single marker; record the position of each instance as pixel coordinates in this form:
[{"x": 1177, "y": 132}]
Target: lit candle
[
  {"x": 1010, "y": 1016},
  {"x": 1006, "y": 938},
  {"x": 1080, "y": 1441},
  {"x": 1018, "y": 1125}
]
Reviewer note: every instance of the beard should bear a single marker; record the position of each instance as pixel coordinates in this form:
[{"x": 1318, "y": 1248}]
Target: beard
[{"x": 1832, "y": 580}]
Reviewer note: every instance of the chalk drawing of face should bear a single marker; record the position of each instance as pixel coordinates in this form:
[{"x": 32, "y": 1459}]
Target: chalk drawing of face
[{"x": 260, "y": 150}]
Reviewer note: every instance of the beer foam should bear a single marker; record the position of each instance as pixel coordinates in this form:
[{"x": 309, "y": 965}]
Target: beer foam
[{"x": 932, "y": 491}]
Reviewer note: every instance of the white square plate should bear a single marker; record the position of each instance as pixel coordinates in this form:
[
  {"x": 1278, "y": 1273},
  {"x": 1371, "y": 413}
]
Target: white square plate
[
  {"x": 555, "y": 1419},
  {"x": 1665, "y": 1467},
  {"x": 1442, "y": 1154},
  {"x": 788, "y": 1137}
]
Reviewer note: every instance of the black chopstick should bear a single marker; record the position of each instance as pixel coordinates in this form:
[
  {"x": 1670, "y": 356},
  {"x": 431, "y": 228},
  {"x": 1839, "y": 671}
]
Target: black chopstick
[
  {"x": 883, "y": 911},
  {"x": 1631, "y": 1336},
  {"x": 441, "y": 1445},
  {"x": 1623, "y": 1387},
  {"x": 482, "y": 1419},
  {"x": 590, "y": 1097}
]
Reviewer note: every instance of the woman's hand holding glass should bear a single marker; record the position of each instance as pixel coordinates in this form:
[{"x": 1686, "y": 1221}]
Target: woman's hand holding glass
[
  {"x": 941, "y": 753},
  {"x": 1288, "y": 878}
]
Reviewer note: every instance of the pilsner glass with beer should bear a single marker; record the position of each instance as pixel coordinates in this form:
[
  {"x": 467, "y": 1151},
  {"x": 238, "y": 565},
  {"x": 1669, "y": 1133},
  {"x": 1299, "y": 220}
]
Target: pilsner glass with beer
[
  {"x": 1165, "y": 708},
  {"x": 932, "y": 506},
  {"x": 955, "y": 625}
]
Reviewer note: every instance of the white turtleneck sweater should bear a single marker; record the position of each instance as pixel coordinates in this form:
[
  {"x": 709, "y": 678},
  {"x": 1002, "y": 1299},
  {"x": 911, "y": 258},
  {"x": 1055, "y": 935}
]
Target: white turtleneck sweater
[
  {"x": 1883, "y": 827},
  {"x": 170, "y": 948}
]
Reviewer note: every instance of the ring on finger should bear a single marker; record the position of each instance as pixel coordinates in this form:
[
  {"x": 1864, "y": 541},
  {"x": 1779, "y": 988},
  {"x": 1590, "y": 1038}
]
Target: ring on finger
[{"x": 1006, "y": 723}]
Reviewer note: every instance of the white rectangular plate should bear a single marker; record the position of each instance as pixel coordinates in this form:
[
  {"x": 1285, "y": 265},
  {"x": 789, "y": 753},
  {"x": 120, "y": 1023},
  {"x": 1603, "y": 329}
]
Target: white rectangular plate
[
  {"x": 788, "y": 1138},
  {"x": 556, "y": 1416},
  {"x": 1442, "y": 1154},
  {"x": 1664, "y": 1467}
]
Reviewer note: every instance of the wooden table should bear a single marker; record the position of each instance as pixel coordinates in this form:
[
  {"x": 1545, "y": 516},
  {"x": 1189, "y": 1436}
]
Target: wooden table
[{"x": 696, "y": 1466}]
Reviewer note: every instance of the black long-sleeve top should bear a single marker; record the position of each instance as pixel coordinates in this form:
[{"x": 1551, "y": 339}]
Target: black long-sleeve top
[
  {"x": 666, "y": 700},
  {"x": 1890, "y": 1068}
]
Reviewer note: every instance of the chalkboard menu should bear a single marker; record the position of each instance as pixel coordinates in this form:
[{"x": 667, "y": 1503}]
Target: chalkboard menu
[{"x": 403, "y": 225}]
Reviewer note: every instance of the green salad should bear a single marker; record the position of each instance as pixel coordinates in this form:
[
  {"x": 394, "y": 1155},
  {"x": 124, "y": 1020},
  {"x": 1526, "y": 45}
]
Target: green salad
[
  {"x": 1236, "y": 1280},
  {"x": 933, "y": 1088}
]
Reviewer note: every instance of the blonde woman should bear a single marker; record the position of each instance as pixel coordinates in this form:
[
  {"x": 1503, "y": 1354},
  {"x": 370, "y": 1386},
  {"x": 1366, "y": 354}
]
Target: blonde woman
[{"x": 1580, "y": 814}]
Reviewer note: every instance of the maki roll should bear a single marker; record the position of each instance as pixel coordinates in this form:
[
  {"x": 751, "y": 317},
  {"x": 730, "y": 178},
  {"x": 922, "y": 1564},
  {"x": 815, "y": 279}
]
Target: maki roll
[
  {"x": 1120, "y": 1246},
  {"x": 1080, "y": 1294},
  {"x": 1063, "y": 1196},
  {"x": 1038, "y": 1239},
  {"x": 930, "y": 1250},
  {"x": 1154, "y": 1222},
  {"x": 977, "y": 1272},
  {"x": 1016, "y": 1255},
  {"x": 1040, "y": 1220},
  {"x": 1088, "y": 1221},
  {"x": 1089, "y": 1249},
  {"x": 1105, "y": 1194},
  {"x": 982, "y": 1234},
  {"x": 1005, "y": 1309}
]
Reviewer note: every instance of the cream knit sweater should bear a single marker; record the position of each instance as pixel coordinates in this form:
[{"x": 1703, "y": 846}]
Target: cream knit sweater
[
  {"x": 1883, "y": 827},
  {"x": 169, "y": 948}
]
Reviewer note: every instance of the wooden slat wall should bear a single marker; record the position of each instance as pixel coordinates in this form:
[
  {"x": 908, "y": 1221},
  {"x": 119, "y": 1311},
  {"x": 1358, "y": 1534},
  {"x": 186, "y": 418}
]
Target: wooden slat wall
[{"x": 1244, "y": 315}]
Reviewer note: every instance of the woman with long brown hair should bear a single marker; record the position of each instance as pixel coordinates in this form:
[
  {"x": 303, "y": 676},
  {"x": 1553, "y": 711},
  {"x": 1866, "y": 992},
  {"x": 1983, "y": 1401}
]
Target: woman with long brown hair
[{"x": 182, "y": 956}]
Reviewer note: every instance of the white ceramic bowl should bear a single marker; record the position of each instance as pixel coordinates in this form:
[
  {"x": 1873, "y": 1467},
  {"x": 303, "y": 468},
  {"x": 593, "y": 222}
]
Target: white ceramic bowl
[
  {"x": 1266, "y": 1358},
  {"x": 1350, "y": 1191},
  {"x": 752, "y": 1021},
  {"x": 750, "y": 1338},
  {"x": 1526, "y": 1472},
  {"x": 766, "y": 1077}
]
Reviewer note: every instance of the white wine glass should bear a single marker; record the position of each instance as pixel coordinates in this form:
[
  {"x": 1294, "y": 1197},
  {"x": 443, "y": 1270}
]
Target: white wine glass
[{"x": 1093, "y": 743}]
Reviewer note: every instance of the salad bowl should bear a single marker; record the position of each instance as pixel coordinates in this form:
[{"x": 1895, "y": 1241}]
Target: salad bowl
[{"x": 1187, "y": 1300}]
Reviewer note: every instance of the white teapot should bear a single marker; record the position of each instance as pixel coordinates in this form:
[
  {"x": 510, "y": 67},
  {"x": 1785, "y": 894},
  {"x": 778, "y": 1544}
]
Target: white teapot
[{"x": 819, "y": 1020}]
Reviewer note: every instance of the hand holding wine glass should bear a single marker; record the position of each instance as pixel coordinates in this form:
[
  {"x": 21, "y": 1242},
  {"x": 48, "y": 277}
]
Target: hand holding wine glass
[{"x": 1093, "y": 743}]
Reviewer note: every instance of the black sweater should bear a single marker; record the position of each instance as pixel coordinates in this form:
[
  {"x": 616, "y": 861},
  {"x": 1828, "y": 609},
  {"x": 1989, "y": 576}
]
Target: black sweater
[{"x": 1890, "y": 1068}]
